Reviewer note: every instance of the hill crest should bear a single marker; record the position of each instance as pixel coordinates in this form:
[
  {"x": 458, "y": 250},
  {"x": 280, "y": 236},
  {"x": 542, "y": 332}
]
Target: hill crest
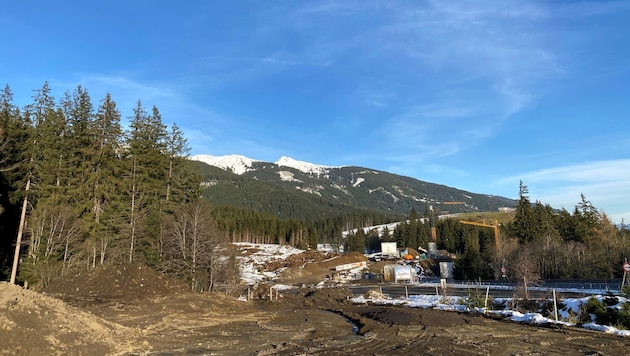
[{"x": 306, "y": 188}]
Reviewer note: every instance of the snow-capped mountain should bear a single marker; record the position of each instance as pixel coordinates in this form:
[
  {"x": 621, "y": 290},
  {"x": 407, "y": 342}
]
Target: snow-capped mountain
[
  {"x": 302, "y": 166},
  {"x": 239, "y": 164},
  {"x": 300, "y": 187},
  {"x": 236, "y": 164}
]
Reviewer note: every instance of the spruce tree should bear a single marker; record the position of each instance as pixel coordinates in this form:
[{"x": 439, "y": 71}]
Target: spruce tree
[
  {"x": 12, "y": 137},
  {"x": 37, "y": 154},
  {"x": 79, "y": 115},
  {"x": 103, "y": 188},
  {"x": 523, "y": 217},
  {"x": 146, "y": 172}
]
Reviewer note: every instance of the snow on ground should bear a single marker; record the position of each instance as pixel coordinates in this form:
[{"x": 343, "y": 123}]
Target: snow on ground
[
  {"x": 565, "y": 315},
  {"x": 238, "y": 164},
  {"x": 302, "y": 166},
  {"x": 475, "y": 285},
  {"x": 254, "y": 256}
]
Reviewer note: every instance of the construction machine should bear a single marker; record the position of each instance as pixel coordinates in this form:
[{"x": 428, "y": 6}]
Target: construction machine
[
  {"x": 494, "y": 224},
  {"x": 432, "y": 224}
]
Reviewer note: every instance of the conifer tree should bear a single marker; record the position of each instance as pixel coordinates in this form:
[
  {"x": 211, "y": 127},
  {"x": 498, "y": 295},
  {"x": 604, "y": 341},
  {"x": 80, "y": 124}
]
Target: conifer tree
[
  {"x": 102, "y": 177},
  {"x": 523, "y": 217},
  {"x": 79, "y": 115},
  {"x": 13, "y": 134},
  {"x": 36, "y": 154},
  {"x": 587, "y": 219},
  {"x": 177, "y": 151},
  {"x": 9, "y": 118},
  {"x": 146, "y": 169}
]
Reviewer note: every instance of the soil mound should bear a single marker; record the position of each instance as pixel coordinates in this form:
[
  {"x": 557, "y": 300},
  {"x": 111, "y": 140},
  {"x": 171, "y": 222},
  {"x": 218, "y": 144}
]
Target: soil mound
[
  {"x": 123, "y": 282},
  {"x": 299, "y": 260},
  {"x": 35, "y": 324},
  {"x": 312, "y": 267},
  {"x": 323, "y": 297}
]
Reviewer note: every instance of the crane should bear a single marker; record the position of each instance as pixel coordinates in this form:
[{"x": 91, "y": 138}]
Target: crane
[
  {"x": 494, "y": 224},
  {"x": 432, "y": 223}
]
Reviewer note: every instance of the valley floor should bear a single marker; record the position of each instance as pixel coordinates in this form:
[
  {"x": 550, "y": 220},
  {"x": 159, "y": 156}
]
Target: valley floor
[{"x": 131, "y": 310}]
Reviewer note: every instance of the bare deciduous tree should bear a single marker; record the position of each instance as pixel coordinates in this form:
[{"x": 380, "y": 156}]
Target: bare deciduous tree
[
  {"x": 525, "y": 268},
  {"x": 53, "y": 236},
  {"x": 189, "y": 246}
]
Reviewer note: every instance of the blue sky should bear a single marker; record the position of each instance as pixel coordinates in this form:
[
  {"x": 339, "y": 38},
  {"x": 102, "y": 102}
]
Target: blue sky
[{"x": 477, "y": 95}]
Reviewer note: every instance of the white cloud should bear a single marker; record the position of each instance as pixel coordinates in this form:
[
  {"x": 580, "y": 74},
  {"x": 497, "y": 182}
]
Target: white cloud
[
  {"x": 128, "y": 85},
  {"x": 605, "y": 183},
  {"x": 457, "y": 69},
  {"x": 601, "y": 171}
]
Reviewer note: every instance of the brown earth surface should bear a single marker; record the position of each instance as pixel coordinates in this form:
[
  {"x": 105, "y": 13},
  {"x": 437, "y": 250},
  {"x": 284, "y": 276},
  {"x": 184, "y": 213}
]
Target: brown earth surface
[{"x": 132, "y": 310}]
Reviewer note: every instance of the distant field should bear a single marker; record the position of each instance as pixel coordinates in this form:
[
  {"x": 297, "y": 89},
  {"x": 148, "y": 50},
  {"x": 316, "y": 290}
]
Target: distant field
[{"x": 501, "y": 216}]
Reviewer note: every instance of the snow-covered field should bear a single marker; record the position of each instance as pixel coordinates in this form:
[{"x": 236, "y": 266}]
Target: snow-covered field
[{"x": 256, "y": 255}]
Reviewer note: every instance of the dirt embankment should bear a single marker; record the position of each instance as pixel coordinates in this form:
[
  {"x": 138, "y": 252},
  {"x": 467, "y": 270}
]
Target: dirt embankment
[
  {"x": 132, "y": 310},
  {"x": 35, "y": 324}
]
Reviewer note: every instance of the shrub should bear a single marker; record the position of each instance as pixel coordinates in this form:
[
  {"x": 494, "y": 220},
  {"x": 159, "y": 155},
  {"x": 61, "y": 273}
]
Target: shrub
[
  {"x": 477, "y": 298},
  {"x": 610, "y": 299},
  {"x": 528, "y": 306},
  {"x": 547, "y": 308},
  {"x": 605, "y": 312},
  {"x": 623, "y": 319},
  {"x": 592, "y": 307}
]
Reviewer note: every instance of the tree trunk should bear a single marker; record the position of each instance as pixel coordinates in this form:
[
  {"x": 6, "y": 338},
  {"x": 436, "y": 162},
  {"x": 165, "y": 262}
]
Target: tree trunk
[
  {"x": 133, "y": 211},
  {"x": 18, "y": 242}
]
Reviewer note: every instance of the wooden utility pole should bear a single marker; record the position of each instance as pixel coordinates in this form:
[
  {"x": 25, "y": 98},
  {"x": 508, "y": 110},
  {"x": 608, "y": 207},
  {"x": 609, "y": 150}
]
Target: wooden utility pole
[
  {"x": 626, "y": 269},
  {"x": 18, "y": 242}
]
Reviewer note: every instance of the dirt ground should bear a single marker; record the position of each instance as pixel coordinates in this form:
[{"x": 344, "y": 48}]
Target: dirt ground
[{"x": 132, "y": 310}]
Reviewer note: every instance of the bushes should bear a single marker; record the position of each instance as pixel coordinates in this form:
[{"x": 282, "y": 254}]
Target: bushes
[
  {"x": 477, "y": 299},
  {"x": 607, "y": 311}
]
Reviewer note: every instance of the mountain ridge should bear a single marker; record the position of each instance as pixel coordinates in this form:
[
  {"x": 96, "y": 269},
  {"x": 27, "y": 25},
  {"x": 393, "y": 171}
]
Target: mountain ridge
[
  {"x": 272, "y": 186},
  {"x": 239, "y": 164}
]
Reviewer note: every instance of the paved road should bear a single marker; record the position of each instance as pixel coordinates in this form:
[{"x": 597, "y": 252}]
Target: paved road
[
  {"x": 396, "y": 291},
  {"x": 498, "y": 289}
]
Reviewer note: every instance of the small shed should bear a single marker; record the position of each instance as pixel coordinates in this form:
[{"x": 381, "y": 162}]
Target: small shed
[
  {"x": 389, "y": 249},
  {"x": 395, "y": 273}
]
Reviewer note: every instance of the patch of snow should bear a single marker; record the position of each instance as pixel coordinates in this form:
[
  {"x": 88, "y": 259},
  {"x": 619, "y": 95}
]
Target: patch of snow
[
  {"x": 340, "y": 187},
  {"x": 288, "y": 176},
  {"x": 359, "y": 181},
  {"x": 399, "y": 191},
  {"x": 237, "y": 164},
  {"x": 251, "y": 264},
  {"x": 378, "y": 228},
  {"x": 606, "y": 329},
  {"x": 302, "y": 166},
  {"x": 311, "y": 190},
  {"x": 386, "y": 192}
]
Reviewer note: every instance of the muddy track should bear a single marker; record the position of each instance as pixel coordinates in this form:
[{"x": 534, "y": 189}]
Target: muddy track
[{"x": 398, "y": 330}]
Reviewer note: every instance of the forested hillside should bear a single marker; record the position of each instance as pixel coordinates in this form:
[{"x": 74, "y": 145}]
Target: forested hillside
[
  {"x": 290, "y": 189},
  {"x": 80, "y": 190}
]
